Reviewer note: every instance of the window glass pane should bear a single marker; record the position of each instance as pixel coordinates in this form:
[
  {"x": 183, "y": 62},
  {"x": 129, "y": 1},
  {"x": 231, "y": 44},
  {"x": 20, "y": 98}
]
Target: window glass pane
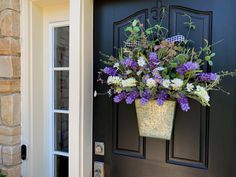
[
  {"x": 61, "y": 166},
  {"x": 61, "y": 132},
  {"x": 61, "y": 90},
  {"x": 61, "y": 47}
]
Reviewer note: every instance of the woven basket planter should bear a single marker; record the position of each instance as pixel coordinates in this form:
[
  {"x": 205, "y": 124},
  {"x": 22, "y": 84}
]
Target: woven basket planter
[{"x": 155, "y": 121}]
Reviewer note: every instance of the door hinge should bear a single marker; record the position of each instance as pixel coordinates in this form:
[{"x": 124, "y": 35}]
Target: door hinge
[{"x": 23, "y": 152}]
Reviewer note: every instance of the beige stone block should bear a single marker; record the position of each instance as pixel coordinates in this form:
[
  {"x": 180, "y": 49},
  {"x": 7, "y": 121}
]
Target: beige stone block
[
  {"x": 9, "y": 66},
  {"x": 10, "y": 23},
  {"x": 10, "y": 109},
  {"x": 10, "y": 135},
  {"x": 10, "y": 131},
  {"x": 9, "y": 140},
  {"x": 11, "y": 155},
  {"x": 12, "y": 171},
  {"x": 9, "y": 46},
  {"x": 10, "y": 4},
  {"x": 9, "y": 86}
]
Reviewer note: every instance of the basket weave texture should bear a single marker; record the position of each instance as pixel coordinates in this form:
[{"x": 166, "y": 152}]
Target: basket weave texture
[{"x": 155, "y": 121}]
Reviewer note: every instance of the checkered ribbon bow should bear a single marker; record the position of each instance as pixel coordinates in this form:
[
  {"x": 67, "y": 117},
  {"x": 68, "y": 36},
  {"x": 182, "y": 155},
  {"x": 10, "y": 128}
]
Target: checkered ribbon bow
[{"x": 177, "y": 38}]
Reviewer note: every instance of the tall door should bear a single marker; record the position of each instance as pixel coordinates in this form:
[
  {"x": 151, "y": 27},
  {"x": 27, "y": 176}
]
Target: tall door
[{"x": 204, "y": 139}]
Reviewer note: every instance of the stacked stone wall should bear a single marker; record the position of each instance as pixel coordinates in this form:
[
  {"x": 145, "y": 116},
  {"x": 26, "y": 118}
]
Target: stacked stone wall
[{"x": 10, "y": 120}]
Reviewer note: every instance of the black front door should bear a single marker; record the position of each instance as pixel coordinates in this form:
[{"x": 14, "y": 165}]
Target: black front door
[{"x": 204, "y": 139}]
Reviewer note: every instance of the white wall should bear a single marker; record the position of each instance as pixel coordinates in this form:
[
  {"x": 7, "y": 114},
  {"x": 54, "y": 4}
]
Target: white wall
[{"x": 42, "y": 13}]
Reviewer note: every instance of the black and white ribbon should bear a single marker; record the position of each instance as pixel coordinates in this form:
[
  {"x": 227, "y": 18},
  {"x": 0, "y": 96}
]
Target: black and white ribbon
[{"x": 177, "y": 38}]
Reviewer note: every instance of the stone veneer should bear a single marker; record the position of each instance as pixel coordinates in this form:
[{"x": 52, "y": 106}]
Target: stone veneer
[{"x": 10, "y": 128}]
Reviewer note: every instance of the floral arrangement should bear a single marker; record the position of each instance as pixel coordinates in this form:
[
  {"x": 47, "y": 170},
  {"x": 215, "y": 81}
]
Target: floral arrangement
[{"x": 151, "y": 66}]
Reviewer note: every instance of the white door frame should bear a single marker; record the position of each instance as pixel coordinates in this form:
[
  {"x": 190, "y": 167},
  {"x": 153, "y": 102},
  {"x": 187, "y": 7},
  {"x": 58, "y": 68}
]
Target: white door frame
[{"x": 81, "y": 87}]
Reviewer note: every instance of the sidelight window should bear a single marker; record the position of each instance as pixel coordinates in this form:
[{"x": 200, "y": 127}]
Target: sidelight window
[{"x": 60, "y": 99}]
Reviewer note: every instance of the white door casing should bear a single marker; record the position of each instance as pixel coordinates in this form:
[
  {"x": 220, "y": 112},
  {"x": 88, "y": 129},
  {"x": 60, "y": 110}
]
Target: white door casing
[{"x": 35, "y": 18}]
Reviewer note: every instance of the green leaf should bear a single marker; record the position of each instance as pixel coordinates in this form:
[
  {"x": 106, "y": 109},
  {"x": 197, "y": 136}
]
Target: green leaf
[
  {"x": 181, "y": 58},
  {"x": 148, "y": 31},
  {"x": 173, "y": 75},
  {"x": 206, "y": 41},
  {"x": 199, "y": 60},
  {"x": 207, "y": 58},
  {"x": 173, "y": 65},
  {"x": 136, "y": 29},
  {"x": 210, "y": 63},
  {"x": 213, "y": 54},
  {"x": 129, "y": 28},
  {"x": 135, "y": 22},
  {"x": 164, "y": 72}
]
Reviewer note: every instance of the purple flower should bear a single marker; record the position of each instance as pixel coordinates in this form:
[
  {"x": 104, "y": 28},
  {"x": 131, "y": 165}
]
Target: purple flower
[
  {"x": 162, "y": 96},
  {"x": 129, "y": 62},
  {"x": 145, "y": 97},
  {"x": 132, "y": 96},
  {"x": 183, "y": 101},
  {"x": 153, "y": 59},
  {"x": 207, "y": 77},
  {"x": 155, "y": 72},
  {"x": 146, "y": 77},
  {"x": 119, "y": 97},
  {"x": 110, "y": 71},
  {"x": 156, "y": 75},
  {"x": 189, "y": 66}
]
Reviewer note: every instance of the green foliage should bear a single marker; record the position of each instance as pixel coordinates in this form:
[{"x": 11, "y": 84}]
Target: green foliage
[
  {"x": 190, "y": 24},
  {"x": 2, "y": 175}
]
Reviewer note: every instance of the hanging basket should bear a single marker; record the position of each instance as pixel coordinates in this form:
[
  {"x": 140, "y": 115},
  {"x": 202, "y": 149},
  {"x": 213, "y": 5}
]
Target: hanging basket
[{"x": 155, "y": 121}]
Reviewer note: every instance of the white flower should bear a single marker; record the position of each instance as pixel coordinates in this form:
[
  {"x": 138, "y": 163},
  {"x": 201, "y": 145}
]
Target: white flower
[
  {"x": 116, "y": 65},
  {"x": 114, "y": 80},
  {"x": 130, "y": 82},
  {"x": 177, "y": 83},
  {"x": 189, "y": 87},
  {"x": 95, "y": 93},
  {"x": 139, "y": 72},
  {"x": 166, "y": 83},
  {"x": 141, "y": 62},
  {"x": 118, "y": 90},
  {"x": 128, "y": 72},
  {"x": 202, "y": 94},
  {"x": 151, "y": 83},
  {"x": 109, "y": 92}
]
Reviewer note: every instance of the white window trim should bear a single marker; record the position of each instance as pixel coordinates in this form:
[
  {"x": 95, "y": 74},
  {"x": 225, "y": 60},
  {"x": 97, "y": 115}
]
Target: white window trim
[
  {"x": 51, "y": 76},
  {"x": 81, "y": 85}
]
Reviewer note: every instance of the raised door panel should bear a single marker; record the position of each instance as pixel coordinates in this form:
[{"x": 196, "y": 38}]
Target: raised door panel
[
  {"x": 189, "y": 144},
  {"x": 126, "y": 139}
]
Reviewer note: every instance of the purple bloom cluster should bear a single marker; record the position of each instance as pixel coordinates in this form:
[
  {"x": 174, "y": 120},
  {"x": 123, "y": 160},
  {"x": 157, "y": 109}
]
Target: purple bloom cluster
[
  {"x": 132, "y": 96},
  {"x": 110, "y": 71},
  {"x": 129, "y": 62},
  {"x": 207, "y": 77},
  {"x": 183, "y": 101},
  {"x": 119, "y": 97},
  {"x": 145, "y": 97},
  {"x": 153, "y": 59},
  {"x": 189, "y": 66},
  {"x": 156, "y": 75},
  {"x": 162, "y": 96}
]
